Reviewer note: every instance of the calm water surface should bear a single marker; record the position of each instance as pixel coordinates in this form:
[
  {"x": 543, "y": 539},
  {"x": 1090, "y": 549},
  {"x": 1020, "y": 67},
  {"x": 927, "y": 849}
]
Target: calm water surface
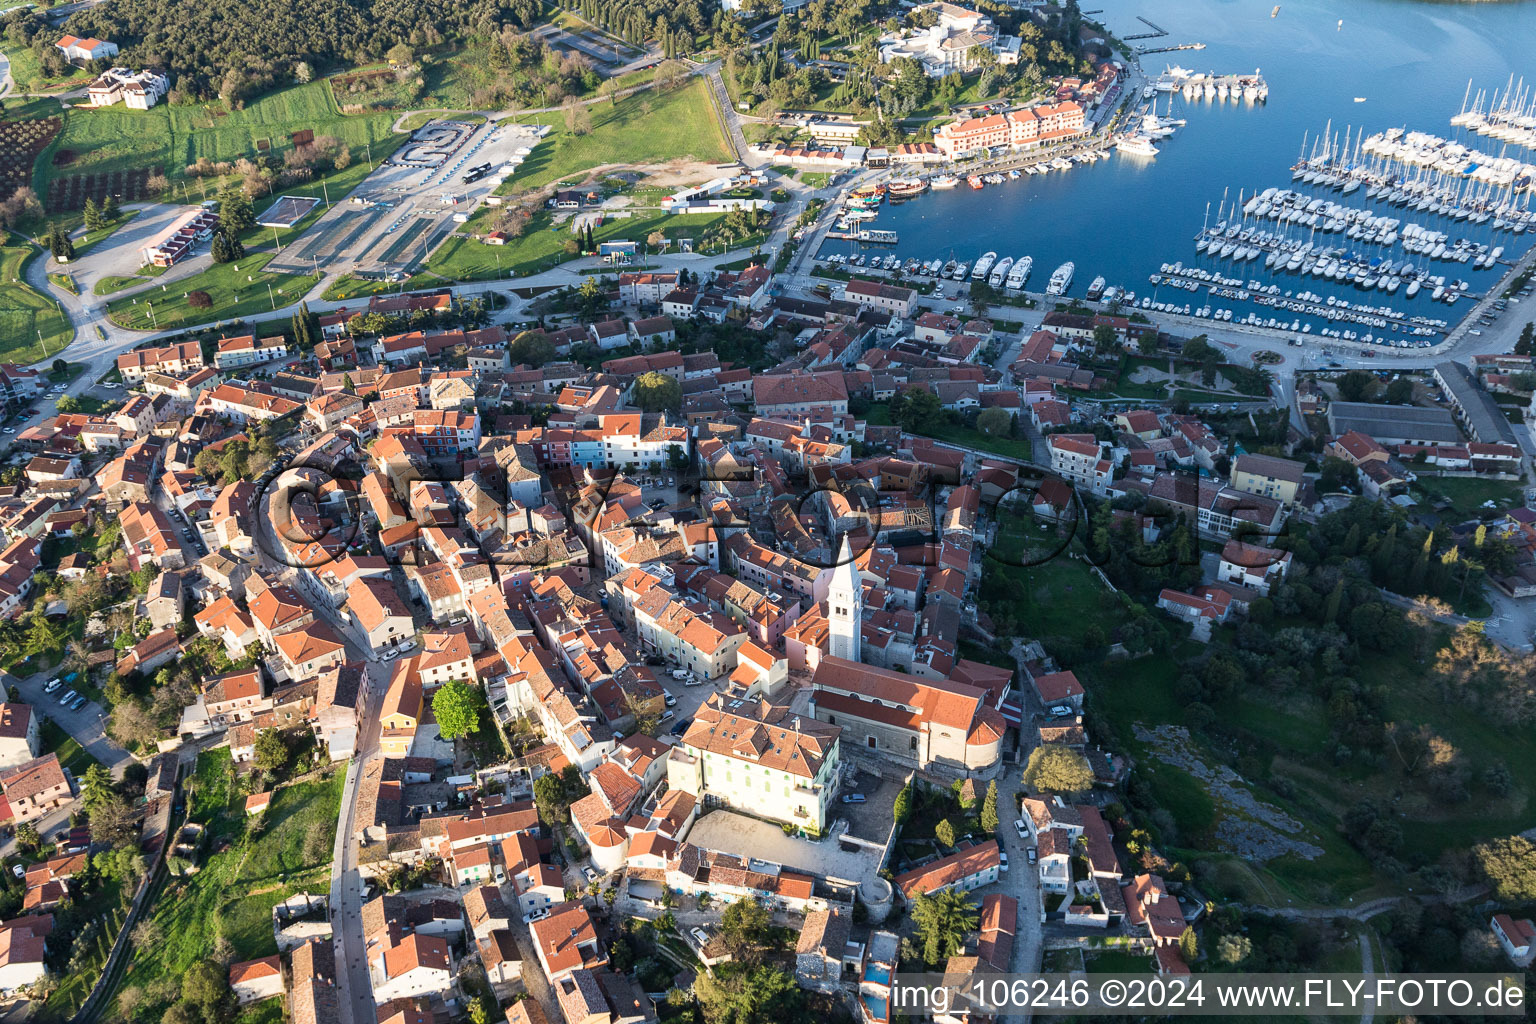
[{"x": 1125, "y": 216}]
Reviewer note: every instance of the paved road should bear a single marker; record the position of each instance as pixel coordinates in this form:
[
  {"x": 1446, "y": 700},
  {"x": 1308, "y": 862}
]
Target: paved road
[
  {"x": 5, "y": 75},
  {"x": 84, "y": 726}
]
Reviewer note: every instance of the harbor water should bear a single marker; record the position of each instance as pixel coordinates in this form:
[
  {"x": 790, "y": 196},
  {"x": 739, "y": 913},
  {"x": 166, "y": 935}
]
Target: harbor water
[{"x": 1390, "y": 64}]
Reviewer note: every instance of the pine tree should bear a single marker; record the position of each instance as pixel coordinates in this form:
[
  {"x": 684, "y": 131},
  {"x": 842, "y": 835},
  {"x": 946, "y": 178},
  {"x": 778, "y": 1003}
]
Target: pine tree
[
  {"x": 1335, "y": 600},
  {"x": 1527, "y": 341},
  {"x": 93, "y": 221},
  {"x": 989, "y": 820},
  {"x": 109, "y": 210},
  {"x": 59, "y": 244}
]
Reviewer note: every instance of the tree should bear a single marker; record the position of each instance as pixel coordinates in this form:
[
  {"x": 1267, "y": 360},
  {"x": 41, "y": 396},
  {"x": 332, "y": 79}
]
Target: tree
[
  {"x": 1189, "y": 945},
  {"x": 533, "y": 348},
  {"x": 457, "y": 706},
  {"x": 1509, "y": 865},
  {"x": 226, "y": 248},
  {"x": 27, "y": 837},
  {"x": 1358, "y": 386},
  {"x": 989, "y": 819},
  {"x": 657, "y": 392},
  {"x": 109, "y": 210},
  {"x": 1105, "y": 339},
  {"x": 1527, "y": 343},
  {"x": 1233, "y": 949},
  {"x": 235, "y": 212},
  {"x": 271, "y": 753},
  {"x": 96, "y": 786},
  {"x": 68, "y": 404},
  {"x": 915, "y": 407},
  {"x": 750, "y": 995},
  {"x": 400, "y": 56},
  {"x": 93, "y": 219},
  {"x": 745, "y": 928},
  {"x": 944, "y": 832},
  {"x": 943, "y": 920},
  {"x": 995, "y": 422},
  {"x": 59, "y": 244},
  {"x": 205, "y": 987},
  {"x": 1053, "y": 768},
  {"x": 903, "y": 805}
]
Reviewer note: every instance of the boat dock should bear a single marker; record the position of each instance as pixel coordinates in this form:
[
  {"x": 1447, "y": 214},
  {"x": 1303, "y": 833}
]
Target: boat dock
[
  {"x": 1157, "y": 30},
  {"x": 1144, "y": 50},
  {"x": 1196, "y": 85},
  {"x": 873, "y": 235}
]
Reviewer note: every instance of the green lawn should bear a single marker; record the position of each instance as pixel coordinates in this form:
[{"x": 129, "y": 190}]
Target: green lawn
[
  {"x": 72, "y": 756},
  {"x": 233, "y": 894},
  {"x": 1467, "y": 494},
  {"x": 111, "y": 284},
  {"x": 173, "y": 136},
  {"x": 954, "y": 433},
  {"x": 541, "y": 247},
  {"x": 24, "y": 313},
  {"x": 647, "y": 128},
  {"x": 237, "y": 289},
  {"x": 28, "y": 74}
]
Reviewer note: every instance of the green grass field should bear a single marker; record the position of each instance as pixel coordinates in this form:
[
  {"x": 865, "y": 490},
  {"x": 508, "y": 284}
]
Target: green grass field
[
  {"x": 24, "y": 313},
  {"x": 237, "y": 289},
  {"x": 28, "y": 74},
  {"x": 647, "y": 128},
  {"x": 173, "y": 136},
  {"x": 462, "y": 258},
  {"x": 1467, "y": 494},
  {"x": 233, "y": 894},
  {"x": 72, "y": 756},
  {"x": 955, "y": 433}
]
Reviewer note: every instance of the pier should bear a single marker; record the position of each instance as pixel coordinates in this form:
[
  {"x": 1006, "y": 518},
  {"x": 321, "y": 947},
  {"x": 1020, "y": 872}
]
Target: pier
[
  {"x": 1157, "y": 30},
  {"x": 1144, "y": 50},
  {"x": 872, "y": 235}
]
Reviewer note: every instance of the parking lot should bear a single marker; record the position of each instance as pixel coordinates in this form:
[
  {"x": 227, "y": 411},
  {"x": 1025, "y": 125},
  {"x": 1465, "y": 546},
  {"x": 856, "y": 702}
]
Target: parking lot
[{"x": 412, "y": 201}]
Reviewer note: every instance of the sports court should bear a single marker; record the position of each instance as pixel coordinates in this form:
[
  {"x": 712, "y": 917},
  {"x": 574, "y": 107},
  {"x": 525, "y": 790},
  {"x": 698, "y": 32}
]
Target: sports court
[{"x": 287, "y": 211}]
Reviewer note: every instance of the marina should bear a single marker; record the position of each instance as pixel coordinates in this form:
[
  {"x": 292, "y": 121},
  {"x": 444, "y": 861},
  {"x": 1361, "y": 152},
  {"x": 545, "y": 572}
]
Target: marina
[
  {"x": 1460, "y": 203},
  {"x": 1509, "y": 115}
]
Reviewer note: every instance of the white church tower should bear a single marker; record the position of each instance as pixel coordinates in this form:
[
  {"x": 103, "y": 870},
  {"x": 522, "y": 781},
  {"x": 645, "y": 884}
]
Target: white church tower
[{"x": 845, "y": 606}]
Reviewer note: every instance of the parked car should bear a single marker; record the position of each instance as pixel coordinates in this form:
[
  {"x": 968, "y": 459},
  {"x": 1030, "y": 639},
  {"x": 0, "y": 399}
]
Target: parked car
[
  {"x": 77, "y": 703},
  {"x": 589, "y": 874},
  {"x": 678, "y": 673},
  {"x": 71, "y": 695},
  {"x": 853, "y": 798},
  {"x": 53, "y": 684},
  {"x": 700, "y": 936},
  {"x": 671, "y": 701},
  {"x": 1033, "y": 856},
  {"x": 1060, "y": 710},
  {"x": 667, "y": 716},
  {"x": 1002, "y": 860},
  {"x": 537, "y": 915},
  {"x": 1023, "y": 830}
]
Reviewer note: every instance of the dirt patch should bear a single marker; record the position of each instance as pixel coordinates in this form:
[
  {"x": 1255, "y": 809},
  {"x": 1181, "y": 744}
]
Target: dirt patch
[
  {"x": 20, "y": 144},
  {"x": 1257, "y": 832}
]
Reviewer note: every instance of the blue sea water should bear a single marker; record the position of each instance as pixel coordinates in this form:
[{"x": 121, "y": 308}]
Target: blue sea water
[{"x": 1124, "y": 217}]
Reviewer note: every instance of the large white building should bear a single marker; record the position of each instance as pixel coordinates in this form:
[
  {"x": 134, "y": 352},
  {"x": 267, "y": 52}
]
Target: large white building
[
  {"x": 759, "y": 757},
  {"x": 946, "y": 45}
]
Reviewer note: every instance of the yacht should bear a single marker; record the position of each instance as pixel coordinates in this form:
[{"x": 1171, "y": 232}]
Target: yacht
[
  {"x": 962, "y": 271},
  {"x": 1136, "y": 145},
  {"x": 1020, "y": 272},
  {"x": 1061, "y": 279},
  {"x": 944, "y": 181},
  {"x": 1096, "y": 289},
  {"x": 984, "y": 266},
  {"x": 1000, "y": 272}
]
